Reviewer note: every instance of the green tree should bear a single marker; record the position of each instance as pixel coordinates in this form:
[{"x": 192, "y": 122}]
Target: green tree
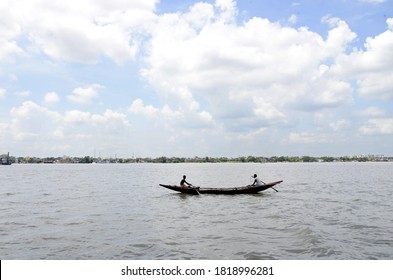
[{"x": 86, "y": 159}]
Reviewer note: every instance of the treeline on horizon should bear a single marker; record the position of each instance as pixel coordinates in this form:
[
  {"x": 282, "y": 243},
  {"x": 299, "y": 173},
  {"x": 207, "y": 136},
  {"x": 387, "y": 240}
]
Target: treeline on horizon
[{"x": 164, "y": 159}]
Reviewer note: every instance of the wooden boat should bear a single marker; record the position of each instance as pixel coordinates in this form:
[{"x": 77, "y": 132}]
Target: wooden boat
[{"x": 240, "y": 190}]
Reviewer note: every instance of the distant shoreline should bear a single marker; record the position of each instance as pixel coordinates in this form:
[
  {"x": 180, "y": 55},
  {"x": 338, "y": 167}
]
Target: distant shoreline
[{"x": 163, "y": 159}]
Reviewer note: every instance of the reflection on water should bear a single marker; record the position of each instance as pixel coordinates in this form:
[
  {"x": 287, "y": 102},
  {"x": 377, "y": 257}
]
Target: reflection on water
[{"x": 322, "y": 211}]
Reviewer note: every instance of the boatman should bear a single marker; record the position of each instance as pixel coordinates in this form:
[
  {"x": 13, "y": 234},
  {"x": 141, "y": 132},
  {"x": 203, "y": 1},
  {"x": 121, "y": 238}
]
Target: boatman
[
  {"x": 184, "y": 183},
  {"x": 257, "y": 182}
]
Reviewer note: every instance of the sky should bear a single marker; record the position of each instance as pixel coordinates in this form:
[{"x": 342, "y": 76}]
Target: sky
[{"x": 150, "y": 78}]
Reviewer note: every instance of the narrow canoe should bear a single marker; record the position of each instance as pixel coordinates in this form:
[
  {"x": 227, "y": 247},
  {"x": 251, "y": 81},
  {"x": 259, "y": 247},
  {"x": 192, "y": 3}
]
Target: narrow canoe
[{"x": 240, "y": 190}]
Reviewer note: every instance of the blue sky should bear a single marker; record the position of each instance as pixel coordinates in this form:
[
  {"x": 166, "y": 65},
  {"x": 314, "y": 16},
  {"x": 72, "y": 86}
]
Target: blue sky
[{"x": 193, "y": 78}]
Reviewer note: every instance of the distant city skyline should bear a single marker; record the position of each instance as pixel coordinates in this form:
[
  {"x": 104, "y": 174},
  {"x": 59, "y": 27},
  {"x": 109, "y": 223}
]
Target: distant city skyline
[{"x": 223, "y": 78}]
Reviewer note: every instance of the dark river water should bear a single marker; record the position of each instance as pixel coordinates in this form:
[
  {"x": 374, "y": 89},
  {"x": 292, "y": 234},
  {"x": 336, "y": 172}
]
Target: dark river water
[{"x": 118, "y": 211}]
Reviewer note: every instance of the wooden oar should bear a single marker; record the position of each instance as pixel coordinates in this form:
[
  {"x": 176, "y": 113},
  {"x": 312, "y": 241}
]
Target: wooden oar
[
  {"x": 195, "y": 188},
  {"x": 271, "y": 186}
]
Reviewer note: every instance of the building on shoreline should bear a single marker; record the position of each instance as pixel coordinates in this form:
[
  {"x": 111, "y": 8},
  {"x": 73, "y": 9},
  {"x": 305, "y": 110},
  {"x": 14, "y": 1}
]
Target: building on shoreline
[{"x": 5, "y": 159}]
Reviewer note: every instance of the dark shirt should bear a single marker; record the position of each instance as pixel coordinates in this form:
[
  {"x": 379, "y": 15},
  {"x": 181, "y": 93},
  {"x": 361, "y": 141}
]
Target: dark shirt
[{"x": 183, "y": 181}]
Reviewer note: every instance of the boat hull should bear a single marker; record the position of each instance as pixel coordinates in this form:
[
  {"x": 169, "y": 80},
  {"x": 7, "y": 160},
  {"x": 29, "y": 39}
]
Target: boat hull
[{"x": 240, "y": 190}]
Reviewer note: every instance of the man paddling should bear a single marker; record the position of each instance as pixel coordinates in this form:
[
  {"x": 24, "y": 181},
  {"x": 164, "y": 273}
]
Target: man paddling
[
  {"x": 184, "y": 183},
  {"x": 257, "y": 182}
]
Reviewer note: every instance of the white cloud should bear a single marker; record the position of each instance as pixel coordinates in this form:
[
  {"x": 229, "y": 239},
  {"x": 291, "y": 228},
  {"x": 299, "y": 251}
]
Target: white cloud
[
  {"x": 76, "y": 117},
  {"x": 340, "y": 125},
  {"x": 169, "y": 118},
  {"x": 168, "y": 113},
  {"x": 377, "y": 85},
  {"x": 258, "y": 70},
  {"x": 28, "y": 109},
  {"x": 371, "y": 67},
  {"x": 374, "y": 1},
  {"x": 339, "y": 36},
  {"x": 389, "y": 21},
  {"x": 2, "y": 93},
  {"x": 307, "y": 138},
  {"x": 111, "y": 120},
  {"x": 252, "y": 135},
  {"x": 377, "y": 126},
  {"x": 24, "y": 93},
  {"x": 228, "y": 10},
  {"x": 200, "y": 14},
  {"x": 138, "y": 107},
  {"x": 266, "y": 111},
  {"x": 32, "y": 121},
  {"x": 37, "y": 128},
  {"x": 292, "y": 19},
  {"x": 76, "y": 30},
  {"x": 9, "y": 31},
  {"x": 304, "y": 138},
  {"x": 373, "y": 112},
  {"x": 51, "y": 98},
  {"x": 85, "y": 94}
]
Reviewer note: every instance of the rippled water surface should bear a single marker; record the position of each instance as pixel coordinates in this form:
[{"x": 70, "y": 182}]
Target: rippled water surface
[{"x": 322, "y": 211}]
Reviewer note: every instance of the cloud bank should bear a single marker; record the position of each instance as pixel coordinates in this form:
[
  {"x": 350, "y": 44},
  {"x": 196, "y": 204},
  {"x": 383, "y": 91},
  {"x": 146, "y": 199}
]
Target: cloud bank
[{"x": 220, "y": 86}]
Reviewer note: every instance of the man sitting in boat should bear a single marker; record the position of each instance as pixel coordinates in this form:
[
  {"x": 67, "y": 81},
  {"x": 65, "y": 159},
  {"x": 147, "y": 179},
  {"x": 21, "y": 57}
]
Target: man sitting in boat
[
  {"x": 257, "y": 182},
  {"x": 184, "y": 183}
]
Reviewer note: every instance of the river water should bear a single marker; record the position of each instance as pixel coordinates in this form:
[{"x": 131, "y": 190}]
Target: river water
[{"x": 118, "y": 211}]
